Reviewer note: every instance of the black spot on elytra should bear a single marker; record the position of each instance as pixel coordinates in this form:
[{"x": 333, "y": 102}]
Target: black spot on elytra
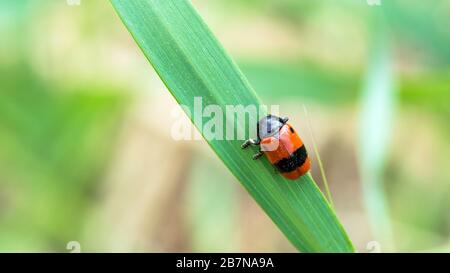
[{"x": 294, "y": 161}]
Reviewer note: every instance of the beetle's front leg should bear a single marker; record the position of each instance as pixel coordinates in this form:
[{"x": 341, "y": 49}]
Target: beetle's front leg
[{"x": 249, "y": 142}]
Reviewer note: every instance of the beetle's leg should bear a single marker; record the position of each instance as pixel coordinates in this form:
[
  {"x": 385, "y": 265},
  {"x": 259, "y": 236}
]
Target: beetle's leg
[
  {"x": 285, "y": 119},
  {"x": 257, "y": 155},
  {"x": 249, "y": 142}
]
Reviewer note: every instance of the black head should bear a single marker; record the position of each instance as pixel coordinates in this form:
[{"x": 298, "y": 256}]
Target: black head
[{"x": 270, "y": 125}]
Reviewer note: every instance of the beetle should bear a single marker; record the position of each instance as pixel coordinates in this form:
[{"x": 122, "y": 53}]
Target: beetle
[{"x": 282, "y": 146}]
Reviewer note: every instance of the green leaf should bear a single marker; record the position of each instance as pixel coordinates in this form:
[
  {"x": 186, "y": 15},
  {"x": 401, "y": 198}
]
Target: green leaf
[
  {"x": 377, "y": 114},
  {"x": 192, "y": 63}
]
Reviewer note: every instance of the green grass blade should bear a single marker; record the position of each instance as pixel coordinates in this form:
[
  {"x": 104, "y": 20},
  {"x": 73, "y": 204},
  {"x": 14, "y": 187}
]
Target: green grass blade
[
  {"x": 319, "y": 159},
  {"x": 192, "y": 63},
  {"x": 377, "y": 115}
]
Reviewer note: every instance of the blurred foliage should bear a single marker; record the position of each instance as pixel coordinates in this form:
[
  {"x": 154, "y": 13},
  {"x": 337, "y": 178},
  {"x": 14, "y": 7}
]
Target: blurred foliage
[
  {"x": 277, "y": 81},
  {"x": 378, "y": 109},
  {"x": 54, "y": 147},
  {"x": 214, "y": 230},
  {"x": 424, "y": 23}
]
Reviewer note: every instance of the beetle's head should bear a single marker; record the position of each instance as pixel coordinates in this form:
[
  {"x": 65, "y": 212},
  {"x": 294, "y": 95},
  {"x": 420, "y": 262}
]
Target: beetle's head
[{"x": 270, "y": 125}]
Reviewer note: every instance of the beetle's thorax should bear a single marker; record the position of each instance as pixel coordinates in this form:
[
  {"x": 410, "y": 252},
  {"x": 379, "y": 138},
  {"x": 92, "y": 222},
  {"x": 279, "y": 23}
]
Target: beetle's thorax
[{"x": 269, "y": 126}]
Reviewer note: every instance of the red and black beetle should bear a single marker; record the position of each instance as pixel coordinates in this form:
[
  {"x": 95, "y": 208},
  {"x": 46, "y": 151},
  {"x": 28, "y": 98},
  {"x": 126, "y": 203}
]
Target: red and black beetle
[{"x": 282, "y": 146}]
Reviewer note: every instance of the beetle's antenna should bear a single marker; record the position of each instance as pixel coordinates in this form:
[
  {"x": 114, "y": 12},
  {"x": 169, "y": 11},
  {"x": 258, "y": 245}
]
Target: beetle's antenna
[{"x": 316, "y": 151}]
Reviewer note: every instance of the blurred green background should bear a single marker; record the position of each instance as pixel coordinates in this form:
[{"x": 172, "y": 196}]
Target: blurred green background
[{"x": 86, "y": 152}]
